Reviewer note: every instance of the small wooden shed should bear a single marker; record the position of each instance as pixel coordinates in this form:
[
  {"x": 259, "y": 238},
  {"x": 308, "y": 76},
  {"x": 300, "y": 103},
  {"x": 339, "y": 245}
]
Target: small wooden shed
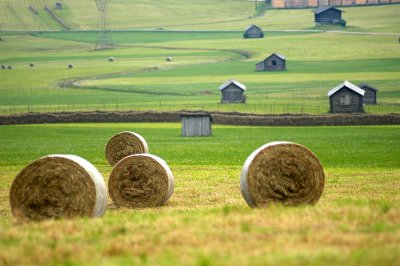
[
  {"x": 274, "y": 62},
  {"x": 253, "y": 31},
  {"x": 370, "y": 93},
  {"x": 328, "y": 15},
  {"x": 232, "y": 91},
  {"x": 346, "y": 98},
  {"x": 59, "y": 6},
  {"x": 196, "y": 125}
]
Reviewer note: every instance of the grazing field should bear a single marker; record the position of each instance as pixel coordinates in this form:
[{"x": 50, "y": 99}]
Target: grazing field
[
  {"x": 204, "y": 55},
  {"x": 206, "y": 221},
  {"x": 141, "y": 79}
]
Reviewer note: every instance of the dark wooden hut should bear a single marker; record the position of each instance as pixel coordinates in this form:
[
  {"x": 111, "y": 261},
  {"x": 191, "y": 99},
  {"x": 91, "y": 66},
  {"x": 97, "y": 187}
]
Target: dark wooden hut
[
  {"x": 370, "y": 93},
  {"x": 274, "y": 62},
  {"x": 253, "y": 31},
  {"x": 328, "y": 15},
  {"x": 346, "y": 98},
  {"x": 232, "y": 91},
  {"x": 59, "y": 6},
  {"x": 196, "y": 125}
]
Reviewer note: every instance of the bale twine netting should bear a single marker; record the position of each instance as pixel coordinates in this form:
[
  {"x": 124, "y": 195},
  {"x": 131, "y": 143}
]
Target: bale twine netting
[
  {"x": 139, "y": 181},
  {"x": 58, "y": 186},
  {"x": 125, "y": 144},
  {"x": 282, "y": 172}
]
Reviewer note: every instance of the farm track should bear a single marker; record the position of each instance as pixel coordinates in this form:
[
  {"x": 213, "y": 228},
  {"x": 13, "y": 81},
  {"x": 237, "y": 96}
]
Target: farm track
[{"x": 75, "y": 83}]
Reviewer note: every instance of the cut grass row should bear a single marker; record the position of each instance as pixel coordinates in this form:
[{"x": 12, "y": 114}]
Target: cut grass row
[{"x": 206, "y": 222}]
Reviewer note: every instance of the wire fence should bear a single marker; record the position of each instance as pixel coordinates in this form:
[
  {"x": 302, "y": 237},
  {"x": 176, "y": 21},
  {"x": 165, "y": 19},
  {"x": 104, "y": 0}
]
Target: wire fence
[{"x": 258, "y": 108}]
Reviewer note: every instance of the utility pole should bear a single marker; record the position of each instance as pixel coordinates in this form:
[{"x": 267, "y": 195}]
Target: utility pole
[{"x": 255, "y": 3}]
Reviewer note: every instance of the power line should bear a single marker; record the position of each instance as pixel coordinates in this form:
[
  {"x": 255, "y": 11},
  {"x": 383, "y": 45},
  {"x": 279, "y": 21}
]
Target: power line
[{"x": 104, "y": 40}]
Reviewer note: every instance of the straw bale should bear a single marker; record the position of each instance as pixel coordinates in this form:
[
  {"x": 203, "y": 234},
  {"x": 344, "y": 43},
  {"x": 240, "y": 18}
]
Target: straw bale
[
  {"x": 111, "y": 59},
  {"x": 124, "y": 144},
  {"x": 58, "y": 186},
  {"x": 168, "y": 59},
  {"x": 141, "y": 180},
  {"x": 3, "y": 67},
  {"x": 70, "y": 66},
  {"x": 9, "y": 67},
  {"x": 31, "y": 65},
  {"x": 282, "y": 172}
]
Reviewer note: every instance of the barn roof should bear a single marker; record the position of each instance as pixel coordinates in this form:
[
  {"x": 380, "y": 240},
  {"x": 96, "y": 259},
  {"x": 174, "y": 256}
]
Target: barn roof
[
  {"x": 348, "y": 85},
  {"x": 322, "y": 9},
  {"x": 232, "y": 81},
  {"x": 251, "y": 26},
  {"x": 367, "y": 86},
  {"x": 278, "y": 55}
]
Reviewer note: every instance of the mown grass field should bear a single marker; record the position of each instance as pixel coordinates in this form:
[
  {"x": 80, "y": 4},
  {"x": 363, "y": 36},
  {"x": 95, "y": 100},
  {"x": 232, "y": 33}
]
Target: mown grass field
[
  {"x": 141, "y": 79},
  {"x": 206, "y": 221}
]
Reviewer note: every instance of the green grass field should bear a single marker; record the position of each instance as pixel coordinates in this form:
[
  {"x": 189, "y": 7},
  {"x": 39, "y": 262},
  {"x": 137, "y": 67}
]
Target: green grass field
[
  {"x": 206, "y": 221},
  {"x": 141, "y": 79}
]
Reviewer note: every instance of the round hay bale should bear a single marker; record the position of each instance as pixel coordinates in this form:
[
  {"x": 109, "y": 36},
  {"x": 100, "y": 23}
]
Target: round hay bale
[
  {"x": 124, "y": 144},
  {"x": 141, "y": 180},
  {"x": 31, "y": 65},
  {"x": 9, "y": 67},
  {"x": 3, "y": 67},
  {"x": 282, "y": 172},
  {"x": 111, "y": 59},
  {"x": 70, "y": 66},
  {"x": 168, "y": 59},
  {"x": 58, "y": 186}
]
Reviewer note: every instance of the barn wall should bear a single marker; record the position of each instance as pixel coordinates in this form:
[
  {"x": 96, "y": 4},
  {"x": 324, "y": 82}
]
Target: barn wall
[
  {"x": 369, "y": 96},
  {"x": 328, "y": 16},
  {"x": 348, "y": 2},
  {"x": 312, "y": 3},
  {"x": 232, "y": 94},
  {"x": 361, "y": 2},
  {"x": 335, "y": 3},
  {"x": 356, "y": 102},
  {"x": 280, "y": 64},
  {"x": 196, "y": 126},
  {"x": 300, "y": 3},
  {"x": 278, "y": 3},
  {"x": 324, "y": 2},
  {"x": 253, "y": 33}
]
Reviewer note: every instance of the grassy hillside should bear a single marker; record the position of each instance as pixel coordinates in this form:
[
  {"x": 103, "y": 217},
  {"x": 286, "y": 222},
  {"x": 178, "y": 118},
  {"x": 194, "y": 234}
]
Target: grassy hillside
[
  {"x": 206, "y": 221},
  {"x": 140, "y": 78},
  {"x": 187, "y": 15},
  {"x": 123, "y": 14}
]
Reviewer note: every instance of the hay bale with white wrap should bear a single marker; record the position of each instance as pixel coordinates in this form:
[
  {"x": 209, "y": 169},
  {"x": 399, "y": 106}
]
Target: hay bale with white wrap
[
  {"x": 58, "y": 186},
  {"x": 282, "y": 172},
  {"x": 141, "y": 180},
  {"x": 125, "y": 144}
]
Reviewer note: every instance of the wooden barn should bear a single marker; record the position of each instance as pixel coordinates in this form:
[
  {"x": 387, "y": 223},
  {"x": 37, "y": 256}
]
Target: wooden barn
[
  {"x": 370, "y": 93},
  {"x": 346, "y": 98},
  {"x": 328, "y": 15},
  {"x": 253, "y": 32},
  {"x": 196, "y": 125},
  {"x": 232, "y": 91},
  {"x": 274, "y": 62}
]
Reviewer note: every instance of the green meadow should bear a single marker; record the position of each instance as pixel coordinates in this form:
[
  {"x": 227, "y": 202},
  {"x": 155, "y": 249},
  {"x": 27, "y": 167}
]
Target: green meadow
[
  {"x": 203, "y": 58},
  {"x": 206, "y": 221}
]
